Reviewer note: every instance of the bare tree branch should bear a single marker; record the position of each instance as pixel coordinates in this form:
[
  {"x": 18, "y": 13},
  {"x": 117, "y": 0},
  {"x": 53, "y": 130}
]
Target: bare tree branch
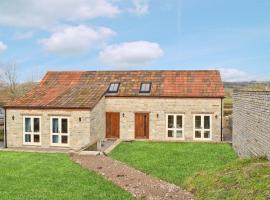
[{"x": 8, "y": 76}]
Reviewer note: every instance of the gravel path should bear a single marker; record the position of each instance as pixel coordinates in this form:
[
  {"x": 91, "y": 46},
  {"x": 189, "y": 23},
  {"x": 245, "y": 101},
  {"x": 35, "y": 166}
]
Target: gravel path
[{"x": 133, "y": 181}]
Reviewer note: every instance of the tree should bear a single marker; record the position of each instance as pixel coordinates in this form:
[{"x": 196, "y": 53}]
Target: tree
[{"x": 8, "y": 77}]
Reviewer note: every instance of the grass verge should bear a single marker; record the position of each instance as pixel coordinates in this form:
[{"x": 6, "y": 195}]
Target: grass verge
[
  {"x": 173, "y": 162},
  {"x": 51, "y": 176},
  {"x": 210, "y": 171},
  {"x": 242, "y": 179}
]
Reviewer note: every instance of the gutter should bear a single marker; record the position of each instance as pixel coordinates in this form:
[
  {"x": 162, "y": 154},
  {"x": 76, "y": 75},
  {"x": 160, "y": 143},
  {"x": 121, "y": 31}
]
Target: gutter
[
  {"x": 5, "y": 128},
  {"x": 47, "y": 108},
  {"x": 221, "y": 133}
]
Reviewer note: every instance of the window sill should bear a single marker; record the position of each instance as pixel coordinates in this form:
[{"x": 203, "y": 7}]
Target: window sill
[
  {"x": 59, "y": 145},
  {"x": 202, "y": 139},
  {"x": 31, "y": 144},
  {"x": 168, "y": 138}
]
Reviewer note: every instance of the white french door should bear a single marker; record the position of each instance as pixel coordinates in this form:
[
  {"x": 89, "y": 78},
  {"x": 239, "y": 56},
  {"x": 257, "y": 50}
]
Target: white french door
[
  {"x": 202, "y": 127},
  {"x": 59, "y": 131},
  {"x": 175, "y": 126}
]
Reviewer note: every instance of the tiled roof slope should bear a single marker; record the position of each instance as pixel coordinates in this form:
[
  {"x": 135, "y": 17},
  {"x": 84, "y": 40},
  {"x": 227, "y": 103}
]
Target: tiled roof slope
[{"x": 84, "y": 89}]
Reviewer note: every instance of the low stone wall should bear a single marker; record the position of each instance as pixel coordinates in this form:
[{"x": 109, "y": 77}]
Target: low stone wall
[{"x": 251, "y": 123}]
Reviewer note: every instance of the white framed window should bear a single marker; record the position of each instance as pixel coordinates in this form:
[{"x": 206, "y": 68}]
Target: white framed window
[
  {"x": 175, "y": 126},
  {"x": 59, "y": 131},
  {"x": 202, "y": 127},
  {"x": 31, "y": 130}
]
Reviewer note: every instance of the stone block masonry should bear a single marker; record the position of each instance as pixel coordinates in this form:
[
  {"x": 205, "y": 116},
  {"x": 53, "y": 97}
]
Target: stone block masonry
[
  {"x": 79, "y": 130},
  {"x": 251, "y": 123},
  {"x": 158, "y": 108}
]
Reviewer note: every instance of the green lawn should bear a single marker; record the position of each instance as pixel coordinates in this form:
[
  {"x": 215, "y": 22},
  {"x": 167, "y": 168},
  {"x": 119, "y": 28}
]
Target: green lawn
[
  {"x": 51, "y": 176},
  {"x": 210, "y": 171},
  {"x": 242, "y": 179},
  {"x": 174, "y": 162}
]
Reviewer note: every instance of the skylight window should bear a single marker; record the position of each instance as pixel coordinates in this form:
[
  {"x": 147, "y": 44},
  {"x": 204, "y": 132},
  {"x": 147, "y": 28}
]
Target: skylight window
[
  {"x": 114, "y": 87},
  {"x": 145, "y": 88}
]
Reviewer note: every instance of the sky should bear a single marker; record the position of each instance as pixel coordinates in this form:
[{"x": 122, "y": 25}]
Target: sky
[{"x": 228, "y": 35}]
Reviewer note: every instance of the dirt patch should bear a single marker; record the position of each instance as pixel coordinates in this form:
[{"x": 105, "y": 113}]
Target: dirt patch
[{"x": 133, "y": 181}]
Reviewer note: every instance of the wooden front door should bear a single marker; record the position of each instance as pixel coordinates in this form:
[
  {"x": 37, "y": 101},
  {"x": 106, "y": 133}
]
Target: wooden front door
[
  {"x": 112, "y": 125},
  {"x": 142, "y": 125}
]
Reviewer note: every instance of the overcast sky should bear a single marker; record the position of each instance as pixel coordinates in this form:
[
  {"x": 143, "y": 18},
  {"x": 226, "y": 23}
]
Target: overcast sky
[{"x": 230, "y": 35}]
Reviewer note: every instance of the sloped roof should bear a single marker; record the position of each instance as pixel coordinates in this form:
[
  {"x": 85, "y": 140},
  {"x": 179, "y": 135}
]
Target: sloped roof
[
  {"x": 4, "y": 100},
  {"x": 84, "y": 89}
]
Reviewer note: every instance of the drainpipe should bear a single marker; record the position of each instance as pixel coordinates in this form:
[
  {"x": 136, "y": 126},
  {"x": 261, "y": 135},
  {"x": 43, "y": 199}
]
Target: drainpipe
[
  {"x": 5, "y": 128},
  {"x": 221, "y": 136}
]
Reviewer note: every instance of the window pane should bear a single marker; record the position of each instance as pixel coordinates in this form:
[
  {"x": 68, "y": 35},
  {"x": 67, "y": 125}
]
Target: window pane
[
  {"x": 170, "y": 133},
  {"x": 179, "y": 121},
  {"x": 64, "y": 139},
  {"x": 198, "y": 122},
  {"x": 27, "y": 138},
  {"x": 170, "y": 121},
  {"x": 36, "y": 125},
  {"x": 179, "y": 133},
  {"x": 36, "y": 138},
  {"x": 55, "y": 138},
  {"x": 197, "y": 134},
  {"x": 145, "y": 87},
  {"x": 207, "y": 122},
  {"x": 64, "y": 126},
  {"x": 113, "y": 87},
  {"x": 206, "y": 134},
  {"x": 55, "y": 127},
  {"x": 27, "y": 124}
]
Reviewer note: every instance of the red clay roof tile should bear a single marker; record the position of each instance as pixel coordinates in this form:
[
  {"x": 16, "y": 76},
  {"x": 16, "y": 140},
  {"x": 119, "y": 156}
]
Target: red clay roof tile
[{"x": 84, "y": 89}]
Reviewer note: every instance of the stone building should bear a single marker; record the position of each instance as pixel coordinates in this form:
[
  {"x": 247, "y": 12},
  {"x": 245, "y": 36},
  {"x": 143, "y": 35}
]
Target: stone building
[
  {"x": 72, "y": 110},
  {"x": 251, "y": 123}
]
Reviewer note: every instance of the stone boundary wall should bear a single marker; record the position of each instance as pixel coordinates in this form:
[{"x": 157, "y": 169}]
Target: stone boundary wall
[{"x": 251, "y": 123}]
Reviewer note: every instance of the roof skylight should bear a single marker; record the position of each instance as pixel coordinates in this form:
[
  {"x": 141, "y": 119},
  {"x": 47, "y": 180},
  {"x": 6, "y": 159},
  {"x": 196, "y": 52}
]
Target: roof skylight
[
  {"x": 145, "y": 88},
  {"x": 114, "y": 87}
]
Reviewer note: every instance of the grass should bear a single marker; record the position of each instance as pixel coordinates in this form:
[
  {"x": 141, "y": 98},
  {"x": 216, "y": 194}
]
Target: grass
[
  {"x": 242, "y": 179},
  {"x": 174, "y": 162},
  {"x": 211, "y": 171},
  {"x": 51, "y": 176}
]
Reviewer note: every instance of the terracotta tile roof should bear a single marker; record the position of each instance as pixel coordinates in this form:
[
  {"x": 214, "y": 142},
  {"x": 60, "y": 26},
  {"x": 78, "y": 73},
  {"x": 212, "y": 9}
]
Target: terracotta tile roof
[
  {"x": 4, "y": 100},
  {"x": 84, "y": 89}
]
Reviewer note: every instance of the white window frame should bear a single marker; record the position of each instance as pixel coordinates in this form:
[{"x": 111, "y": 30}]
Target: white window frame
[
  {"x": 175, "y": 129},
  {"x": 60, "y": 134},
  {"x": 202, "y": 129},
  {"x": 32, "y": 133}
]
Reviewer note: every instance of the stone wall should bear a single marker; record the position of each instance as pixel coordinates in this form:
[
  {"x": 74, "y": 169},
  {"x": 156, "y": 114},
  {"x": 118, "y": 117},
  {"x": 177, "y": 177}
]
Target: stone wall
[
  {"x": 86, "y": 127},
  {"x": 97, "y": 122},
  {"x": 251, "y": 123},
  {"x": 79, "y": 131},
  {"x": 158, "y": 108}
]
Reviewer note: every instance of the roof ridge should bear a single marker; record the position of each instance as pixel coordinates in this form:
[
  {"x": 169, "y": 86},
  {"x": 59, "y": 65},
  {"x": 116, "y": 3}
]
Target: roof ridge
[{"x": 82, "y": 71}]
